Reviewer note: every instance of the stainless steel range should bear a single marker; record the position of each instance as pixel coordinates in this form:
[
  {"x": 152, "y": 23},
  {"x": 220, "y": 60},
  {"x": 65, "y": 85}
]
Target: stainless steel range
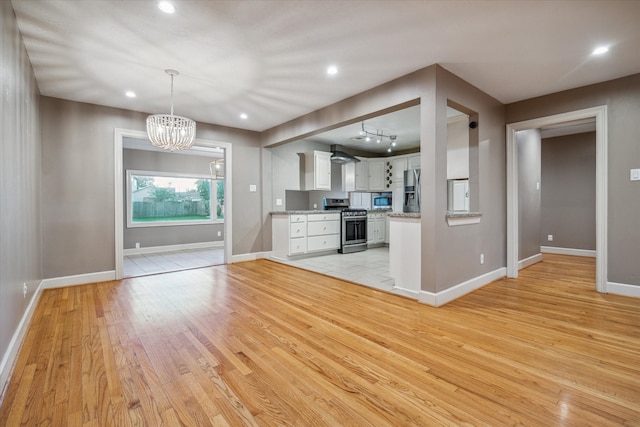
[{"x": 353, "y": 229}]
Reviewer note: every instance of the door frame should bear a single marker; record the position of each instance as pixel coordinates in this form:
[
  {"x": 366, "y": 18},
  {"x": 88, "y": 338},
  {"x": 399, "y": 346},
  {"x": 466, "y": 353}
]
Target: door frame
[
  {"x": 119, "y": 135},
  {"x": 600, "y": 115}
]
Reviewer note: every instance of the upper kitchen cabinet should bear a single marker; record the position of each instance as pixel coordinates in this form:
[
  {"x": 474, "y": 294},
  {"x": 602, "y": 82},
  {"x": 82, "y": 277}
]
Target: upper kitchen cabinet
[
  {"x": 413, "y": 161},
  {"x": 362, "y": 175},
  {"x": 317, "y": 170},
  {"x": 355, "y": 176},
  {"x": 398, "y": 166},
  {"x": 377, "y": 174}
]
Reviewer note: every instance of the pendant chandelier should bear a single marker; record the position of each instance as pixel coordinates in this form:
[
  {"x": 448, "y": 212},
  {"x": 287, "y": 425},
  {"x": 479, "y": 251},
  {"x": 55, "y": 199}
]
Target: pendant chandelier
[{"x": 168, "y": 131}]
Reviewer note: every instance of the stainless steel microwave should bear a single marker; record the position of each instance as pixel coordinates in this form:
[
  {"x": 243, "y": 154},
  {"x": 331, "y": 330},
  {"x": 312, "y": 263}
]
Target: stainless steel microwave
[{"x": 382, "y": 202}]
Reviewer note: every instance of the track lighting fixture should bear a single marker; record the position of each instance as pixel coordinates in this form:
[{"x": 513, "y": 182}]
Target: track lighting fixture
[{"x": 380, "y": 137}]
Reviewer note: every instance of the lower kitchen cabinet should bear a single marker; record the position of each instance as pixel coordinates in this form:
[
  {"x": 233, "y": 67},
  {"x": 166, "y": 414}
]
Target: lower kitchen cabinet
[
  {"x": 298, "y": 234},
  {"x": 376, "y": 228}
]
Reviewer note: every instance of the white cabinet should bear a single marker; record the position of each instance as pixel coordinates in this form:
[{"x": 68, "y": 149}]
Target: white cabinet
[
  {"x": 377, "y": 171},
  {"x": 297, "y": 234},
  {"x": 362, "y": 175},
  {"x": 398, "y": 198},
  {"x": 349, "y": 177},
  {"x": 413, "y": 161},
  {"x": 360, "y": 200},
  {"x": 317, "y": 170},
  {"x": 398, "y": 166},
  {"x": 376, "y": 228},
  {"x": 323, "y": 232}
]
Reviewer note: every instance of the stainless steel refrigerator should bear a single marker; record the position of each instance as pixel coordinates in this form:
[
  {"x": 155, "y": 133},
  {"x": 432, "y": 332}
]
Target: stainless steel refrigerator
[{"x": 411, "y": 191}]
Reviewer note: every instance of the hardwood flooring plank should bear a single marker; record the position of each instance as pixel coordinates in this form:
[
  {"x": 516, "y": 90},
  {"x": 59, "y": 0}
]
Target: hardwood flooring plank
[{"x": 263, "y": 344}]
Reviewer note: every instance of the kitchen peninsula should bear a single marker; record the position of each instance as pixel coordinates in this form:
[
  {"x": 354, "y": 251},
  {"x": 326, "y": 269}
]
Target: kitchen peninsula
[{"x": 405, "y": 252}]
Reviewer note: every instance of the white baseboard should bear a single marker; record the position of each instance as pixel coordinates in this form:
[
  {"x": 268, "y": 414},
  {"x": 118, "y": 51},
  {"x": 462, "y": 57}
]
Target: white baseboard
[
  {"x": 80, "y": 279},
  {"x": 405, "y": 292},
  {"x": 9, "y": 357},
  {"x": 170, "y": 248},
  {"x": 250, "y": 256},
  {"x": 567, "y": 251},
  {"x": 454, "y": 292},
  {"x": 529, "y": 261},
  {"x": 623, "y": 289}
]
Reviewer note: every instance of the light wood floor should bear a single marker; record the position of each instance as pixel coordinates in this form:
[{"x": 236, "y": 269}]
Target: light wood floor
[{"x": 262, "y": 343}]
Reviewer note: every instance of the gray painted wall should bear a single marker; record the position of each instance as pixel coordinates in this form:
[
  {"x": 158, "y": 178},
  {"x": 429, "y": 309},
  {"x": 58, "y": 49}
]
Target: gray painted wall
[
  {"x": 166, "y": 235},
  {"x": 623, "y": 109},
  {"x": 450, "y": 255},
  {"x": 20, "y": 145},
  {"x": 529, "y": 209},
  {"x": 78, "y": 185},
  {"x": 569, "y": 191},
  {"x": 288, "y": 173}
]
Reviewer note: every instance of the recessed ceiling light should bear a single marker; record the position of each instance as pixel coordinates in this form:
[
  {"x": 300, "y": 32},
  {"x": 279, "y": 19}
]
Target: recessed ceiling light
[
  {"x": 600, "y": 50},
  {"x": 244, "y": 116},
  {"x": 332, "y": 70},
  {"x": 166, "y": 7},
  {"x": 130, "y": 94}
]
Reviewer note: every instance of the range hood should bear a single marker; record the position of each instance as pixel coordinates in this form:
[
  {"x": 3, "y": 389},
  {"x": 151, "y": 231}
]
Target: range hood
[{"x": 341, "y": 157}]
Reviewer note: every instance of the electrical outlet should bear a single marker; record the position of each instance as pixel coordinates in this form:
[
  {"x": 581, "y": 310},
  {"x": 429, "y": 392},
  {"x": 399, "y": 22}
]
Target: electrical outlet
[
  {"x": 481, "y": 258},
  {"x": 550, "y": 237},
  {"x": 24, "y": 290},
  {"x": 137, "y": 245},
  {"x": 219, "y": 233}
]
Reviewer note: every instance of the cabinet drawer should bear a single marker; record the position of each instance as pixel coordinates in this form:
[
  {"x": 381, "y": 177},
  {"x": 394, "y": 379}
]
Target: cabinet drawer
[
  {"x": 323, "y": 243},
  {"x": 297, "y": 218},
  {"x": 297, "y": 246},
  {"x": 297, "y": 229},
  {"x": 324, "y": 217},
  {"x": 323, "y": 227}
]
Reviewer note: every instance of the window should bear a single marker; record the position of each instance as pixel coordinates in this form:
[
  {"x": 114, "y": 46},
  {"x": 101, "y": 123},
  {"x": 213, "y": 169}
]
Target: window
[{"x": 169, "y": 199}]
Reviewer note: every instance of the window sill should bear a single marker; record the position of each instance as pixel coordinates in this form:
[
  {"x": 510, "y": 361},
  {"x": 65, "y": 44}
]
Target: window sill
[{"x": 463, "y": 218}]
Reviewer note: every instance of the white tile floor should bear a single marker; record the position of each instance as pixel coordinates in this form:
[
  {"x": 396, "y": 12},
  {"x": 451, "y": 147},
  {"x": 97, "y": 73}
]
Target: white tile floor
[
  {"x": 164, "y": 262},
  {"x": 370, "y": 267}
]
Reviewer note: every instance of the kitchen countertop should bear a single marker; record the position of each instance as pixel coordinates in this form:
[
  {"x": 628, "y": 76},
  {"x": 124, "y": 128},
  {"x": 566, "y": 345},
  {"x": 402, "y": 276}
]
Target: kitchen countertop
[
  {"x": 301, "y": 212},
  {"x": 404, "y": 215},
  {"x": 462, "y": 214},
  {"x": 316, "y": 211}
]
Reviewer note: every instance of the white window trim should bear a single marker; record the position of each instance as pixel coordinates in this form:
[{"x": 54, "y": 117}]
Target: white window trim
[{"x": 128, "y": 190}]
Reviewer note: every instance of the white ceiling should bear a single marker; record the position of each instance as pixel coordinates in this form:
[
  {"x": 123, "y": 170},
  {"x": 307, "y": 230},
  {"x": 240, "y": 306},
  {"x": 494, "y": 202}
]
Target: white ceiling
[{"x": 268, "y": 58}]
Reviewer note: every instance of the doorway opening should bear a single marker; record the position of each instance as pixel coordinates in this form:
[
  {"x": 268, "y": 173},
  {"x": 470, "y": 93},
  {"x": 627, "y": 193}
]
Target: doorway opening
[
  {"x": 173, "y": 210},
  {"x": 599, "y": 114}
]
